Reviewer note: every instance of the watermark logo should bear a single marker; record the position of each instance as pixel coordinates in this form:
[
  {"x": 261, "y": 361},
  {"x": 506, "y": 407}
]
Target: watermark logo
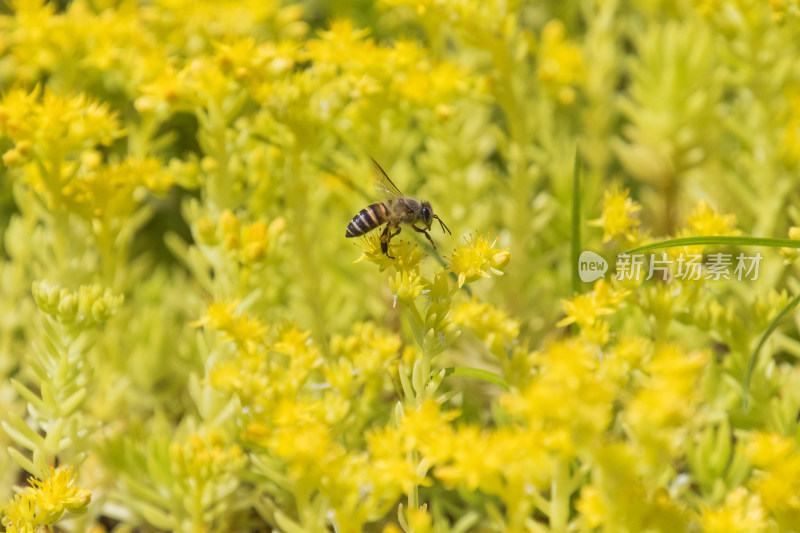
[
  {"x": 591, "y": 266},
  {"x": 691, "y": 267}
]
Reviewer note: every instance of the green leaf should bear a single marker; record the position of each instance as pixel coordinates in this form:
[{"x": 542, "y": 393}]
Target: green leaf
[
  {"x": 28, "y": 394},
  {"x": 136, "y": 485},
  {"x": 271, "y": 471},
  {"x": 156, "y": 516},
  {"x": 22, "y": 434},
  {"x": 403, "y": 373},
  {"x": 72, "y": 403},
  {"x": 718, "y": 239},
  {"x": 49, "y": 398},
  {"x": 751, "y": 364},
  {"x": 23, "y": 461},
  {"x": 478, "y": 373},
  {"x": 287, "y": 524},
  {"x": 466, "y": 522}
]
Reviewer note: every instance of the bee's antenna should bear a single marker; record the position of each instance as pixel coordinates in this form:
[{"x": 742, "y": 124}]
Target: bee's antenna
[{"x": 444, "y": 227}]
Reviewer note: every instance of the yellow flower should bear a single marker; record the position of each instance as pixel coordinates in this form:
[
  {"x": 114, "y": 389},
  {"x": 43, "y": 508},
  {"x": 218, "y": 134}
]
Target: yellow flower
[
  {"x": 665, "y": 399},
  {"x": 705, "y": 221},
  {"x": 488, "y": 323},
  {"x": 792, "y": 253},
  {"x": 777, "y": 476},
  {"x": 606, "y": 295},
  {"x": 203, "y": 457},
  {"x": 591, "y": 505},
  {"x": 389, "y": 465},
  {"x": 741, "y": 513},
  {"x": 791, "y": 143},
  {"x": 342, "y": 34},
  {"x": 406, "y": 256},
  {"x": 470, "y": 465},
  {"x": 570, "y": 400},
  {"x": 616, "y": 481},
  {"x": 585, "y": 309},
  {"x": 113, "y": 191},
  {"x": 50, "y": 121},
  {"x": 255, "y": 239},
  {"x": 19, "y": 514},
  {"x": 369, "y": 348},
  {"x": 17, "y": 107},
  {"x": 632, "y": 349},
  {"x": 427, "y": 428},
  {"x": 770, "y": 451},
  {"x": 478, "y": 259},
  {"x": 419, "y": 520},
  {"x": 222, "y": 316},
  {"x": 598, "y": 332},
  {"x": 618, "y": 216},
  {"x": 166, "y": 92},
  {"x": 49, "y": 497},
  {"x": 560, "y": 62},
  {"x": 707, "y": 7},
  {"x": 305, "y": 445},
  {"x": 406, "y": 286}
]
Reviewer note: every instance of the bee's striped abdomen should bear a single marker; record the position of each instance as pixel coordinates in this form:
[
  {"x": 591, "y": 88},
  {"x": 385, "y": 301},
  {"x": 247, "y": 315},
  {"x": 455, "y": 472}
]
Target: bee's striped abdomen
[{"x": 367, "y": 219}]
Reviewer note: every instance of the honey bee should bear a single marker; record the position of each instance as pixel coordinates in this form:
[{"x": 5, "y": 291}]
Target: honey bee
[{"x": 397, "y": 209}]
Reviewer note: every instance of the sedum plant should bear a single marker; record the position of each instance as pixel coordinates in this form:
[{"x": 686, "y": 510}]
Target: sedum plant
[{"x": 189, "y": 343}]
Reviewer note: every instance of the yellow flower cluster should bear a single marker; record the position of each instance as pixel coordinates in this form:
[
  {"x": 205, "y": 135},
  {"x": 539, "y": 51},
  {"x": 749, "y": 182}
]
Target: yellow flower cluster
[
  {"x": 586, "y": 310},
  {"x": 39, "y": 120},
  {"x": 619, "y": 217},
  {"x": 478, "y": 259},
  {"x": 44, "y": 502},
  {"x": 250, "y": 244},
  {"x": 742, "y": 512},
  {"x": 561, "y": 62},
  {"x": 777, "y": 465},
  {"x": 237, "y": 327},
  {"x": 488, "y": 323},
  {"x": 588, "y": 392},
  {"x": 201, "y": 459},
  {"x": 705, "y": 221}
]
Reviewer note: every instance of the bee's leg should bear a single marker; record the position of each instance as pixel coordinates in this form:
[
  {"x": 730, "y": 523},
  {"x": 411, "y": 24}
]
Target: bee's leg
[
  {"x": 386, "y": 236},
  {"x": 420, "y": 230}
]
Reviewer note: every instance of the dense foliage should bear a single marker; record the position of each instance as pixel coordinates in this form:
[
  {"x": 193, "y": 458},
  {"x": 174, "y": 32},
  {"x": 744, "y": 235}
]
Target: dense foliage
[{"x": 188, "y": 342}]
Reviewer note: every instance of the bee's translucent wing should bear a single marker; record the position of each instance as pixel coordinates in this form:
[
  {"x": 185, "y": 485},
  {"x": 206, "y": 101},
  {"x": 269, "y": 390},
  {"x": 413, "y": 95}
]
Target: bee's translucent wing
[{"x": 383, "y": 183}]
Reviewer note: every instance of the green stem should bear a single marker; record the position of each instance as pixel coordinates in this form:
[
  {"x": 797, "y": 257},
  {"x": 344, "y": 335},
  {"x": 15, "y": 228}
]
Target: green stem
[
  {"x": 418, "y": 328},
  {"x": 197, "y": 508},
  {"x": 297, "y": 196},
  {"x": 220, "y": 185},
  {"x": 559, "y": 497},
  {"x": 413, "y": 494},
  {"x": 576, "y": 221}
]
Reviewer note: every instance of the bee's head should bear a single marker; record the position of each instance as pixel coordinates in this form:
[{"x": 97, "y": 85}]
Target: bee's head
[{"x": 428, "y": 216}]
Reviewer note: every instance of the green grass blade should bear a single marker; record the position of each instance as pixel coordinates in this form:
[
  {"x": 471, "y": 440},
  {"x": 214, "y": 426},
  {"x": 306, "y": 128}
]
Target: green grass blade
[
  {"x": 751, "y": 364},
  {"x": 718, "y": 239},
  {"x": 576, "y": 221},
  {"x": 477, "y": 373}
]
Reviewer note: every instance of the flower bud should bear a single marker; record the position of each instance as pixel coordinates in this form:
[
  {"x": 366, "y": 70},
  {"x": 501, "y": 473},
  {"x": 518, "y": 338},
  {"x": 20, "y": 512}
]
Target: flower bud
[{"x": 206, "y": 231}]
